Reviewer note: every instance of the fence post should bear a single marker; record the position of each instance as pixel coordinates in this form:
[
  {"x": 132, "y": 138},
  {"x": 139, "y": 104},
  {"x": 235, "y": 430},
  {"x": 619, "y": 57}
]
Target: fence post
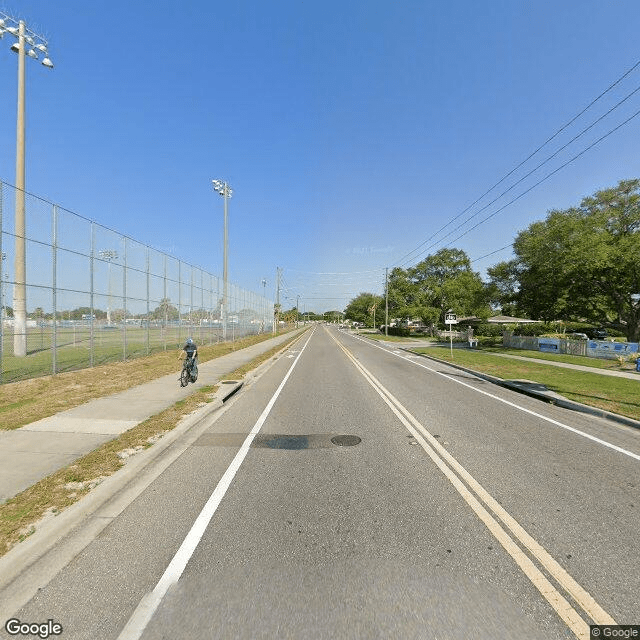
[
  {"x": 124, "y": 299},
  {"x": 191, "y": 301},
  {"x": 180, "y": 300},
  {"x": 211, "y": 308},
  {"x": 165, "y": 320},
  {"x": 148, "y": 319},
  {"x": 92, "y": 257},
  {"x": 1, "y": 288},
  {"x": 54, "y": 283}
]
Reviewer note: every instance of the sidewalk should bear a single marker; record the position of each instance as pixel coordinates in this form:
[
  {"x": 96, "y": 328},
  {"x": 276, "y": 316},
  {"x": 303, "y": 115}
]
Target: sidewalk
[
  {"x": 38, "y": 449},
  {"x": 631, "y": 375}
]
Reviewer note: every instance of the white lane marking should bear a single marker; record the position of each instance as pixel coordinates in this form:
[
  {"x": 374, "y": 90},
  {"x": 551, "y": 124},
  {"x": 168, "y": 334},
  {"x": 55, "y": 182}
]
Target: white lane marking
[
  {"x": 140, "y": 618},
  {"x": 511, "y": 404},
  {"x": 546, "y": 588}
]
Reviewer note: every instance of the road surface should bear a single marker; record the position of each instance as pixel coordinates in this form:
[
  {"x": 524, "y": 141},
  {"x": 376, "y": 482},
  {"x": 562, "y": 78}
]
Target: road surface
[{"x": 356, "y": 491}]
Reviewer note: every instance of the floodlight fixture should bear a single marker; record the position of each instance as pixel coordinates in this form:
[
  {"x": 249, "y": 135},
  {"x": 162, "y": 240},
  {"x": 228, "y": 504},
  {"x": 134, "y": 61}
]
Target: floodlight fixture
[{"x": 222, "y": 188}]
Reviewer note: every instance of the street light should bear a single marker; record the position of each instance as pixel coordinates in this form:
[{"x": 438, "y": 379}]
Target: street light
[
  {"x": 37, "y": 45},
  {"x": 225, "y": 191},
  {"x": 109, "y": 255}
]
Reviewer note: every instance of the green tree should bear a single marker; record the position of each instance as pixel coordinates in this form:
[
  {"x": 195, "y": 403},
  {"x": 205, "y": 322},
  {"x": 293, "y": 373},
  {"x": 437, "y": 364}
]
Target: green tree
[
  {"x": 361, "y": 308},
  {"x": 165, "y": 311},
  {"x": 440, "y": 282},
  {"x": 583, "y": 262}
]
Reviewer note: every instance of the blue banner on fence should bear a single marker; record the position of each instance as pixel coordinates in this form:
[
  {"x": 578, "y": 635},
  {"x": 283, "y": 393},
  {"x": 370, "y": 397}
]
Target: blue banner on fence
[
  {"x": 551, "y": 345},
  {"x": 601, "y": 349}
]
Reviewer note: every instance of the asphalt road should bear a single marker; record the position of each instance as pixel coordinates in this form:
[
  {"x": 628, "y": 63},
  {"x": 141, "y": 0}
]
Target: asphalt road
[{"x": 465, "y": 511}]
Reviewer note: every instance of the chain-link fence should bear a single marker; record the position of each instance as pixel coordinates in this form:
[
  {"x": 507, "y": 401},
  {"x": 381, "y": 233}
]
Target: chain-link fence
[{"x": 90, "y": 295}]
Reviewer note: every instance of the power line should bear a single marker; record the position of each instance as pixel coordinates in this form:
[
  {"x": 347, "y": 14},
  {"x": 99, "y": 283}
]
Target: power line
[
  {"x": 413, "y": 251},
  {"x": 538, "y": 167},
  {"x": 535, "y": 168},
  {"x": 507, "y": 246},
  {"x": 562, "y": 166}
]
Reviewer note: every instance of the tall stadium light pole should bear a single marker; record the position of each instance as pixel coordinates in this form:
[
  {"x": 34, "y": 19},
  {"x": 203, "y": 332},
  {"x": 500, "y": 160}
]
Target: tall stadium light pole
[
  {"x": 108, "y": 255},
  {"x": 225, "y": 191},
  {"x": 37, "y": 45}
]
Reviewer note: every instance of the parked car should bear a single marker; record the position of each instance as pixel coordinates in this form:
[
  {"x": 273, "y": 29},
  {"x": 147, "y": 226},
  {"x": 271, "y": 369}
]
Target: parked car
[
  {"x": 577, "y": 336},
  {"x": 597, "y": 334}
]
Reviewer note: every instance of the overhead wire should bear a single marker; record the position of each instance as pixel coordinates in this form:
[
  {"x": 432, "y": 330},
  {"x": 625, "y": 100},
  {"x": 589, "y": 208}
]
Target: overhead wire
[
  {"x": 486, "y": 255},
  {"x": 540, "y": 166},
  {"x": 409, "y": 256},
  {"x": 551, "y": 173}
]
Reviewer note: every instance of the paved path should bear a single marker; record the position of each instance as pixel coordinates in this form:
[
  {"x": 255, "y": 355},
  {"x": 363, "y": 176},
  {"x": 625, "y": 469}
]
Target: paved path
[
  {"x": 39, "y": 449},
  {"x": 631, "y": 375}
]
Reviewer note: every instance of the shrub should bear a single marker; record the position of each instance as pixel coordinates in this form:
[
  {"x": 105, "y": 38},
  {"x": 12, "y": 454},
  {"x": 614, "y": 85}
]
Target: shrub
[
  {"x": 399, "y": 331},
  {"x": 536, "y": 329},
  {"x": 488, "y": 330}
]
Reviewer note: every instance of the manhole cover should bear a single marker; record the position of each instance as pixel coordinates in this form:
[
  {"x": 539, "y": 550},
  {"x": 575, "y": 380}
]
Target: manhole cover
[{"x": 346, "y": 441}]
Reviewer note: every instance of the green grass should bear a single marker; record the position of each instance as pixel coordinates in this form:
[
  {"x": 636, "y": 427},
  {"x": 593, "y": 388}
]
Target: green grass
[
  {"x": 614, "y": 394},
  {"x": 74, "y": 349},
  {"x": 596, "y": 363}
]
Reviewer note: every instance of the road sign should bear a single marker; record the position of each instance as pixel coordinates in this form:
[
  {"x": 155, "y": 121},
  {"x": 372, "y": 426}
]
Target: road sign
[{"x": 450, "y": 318}]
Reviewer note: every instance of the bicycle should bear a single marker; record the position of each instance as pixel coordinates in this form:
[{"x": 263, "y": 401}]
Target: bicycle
[{"x": 189, "y": 372}]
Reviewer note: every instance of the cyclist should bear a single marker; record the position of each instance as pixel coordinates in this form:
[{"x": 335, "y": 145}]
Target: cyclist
[{"x": 191, "y": 352}]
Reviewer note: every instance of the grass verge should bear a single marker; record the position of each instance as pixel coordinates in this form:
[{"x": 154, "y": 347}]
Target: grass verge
[
  {"x": 21, "y": 515},
  {"x": 30, "y": 400},
  {"x": 594, "y": 363},
  {"x": 617, "y": 395}
]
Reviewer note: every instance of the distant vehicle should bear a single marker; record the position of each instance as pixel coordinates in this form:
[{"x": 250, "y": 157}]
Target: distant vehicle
[
  {"x": 597, "y": 334},
  {"x": 578, "y": 336}
]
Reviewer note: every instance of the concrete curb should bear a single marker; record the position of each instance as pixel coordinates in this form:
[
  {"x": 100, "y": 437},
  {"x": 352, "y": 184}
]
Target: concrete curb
[
  {"x": 24, "y": 555},
  {"x": 547, "y": 397}
]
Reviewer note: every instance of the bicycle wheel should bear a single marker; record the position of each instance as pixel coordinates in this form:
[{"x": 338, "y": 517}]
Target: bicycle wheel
[{"x": 184, "y": 377}]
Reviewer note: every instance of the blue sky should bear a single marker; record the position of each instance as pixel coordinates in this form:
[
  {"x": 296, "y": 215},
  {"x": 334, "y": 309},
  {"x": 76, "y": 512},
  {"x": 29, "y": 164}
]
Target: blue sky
[{"x": 350, "y": 132}]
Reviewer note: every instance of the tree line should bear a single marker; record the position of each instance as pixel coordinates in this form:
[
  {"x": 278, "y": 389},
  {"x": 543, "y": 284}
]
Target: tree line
[{"x": 579, "y": 264}]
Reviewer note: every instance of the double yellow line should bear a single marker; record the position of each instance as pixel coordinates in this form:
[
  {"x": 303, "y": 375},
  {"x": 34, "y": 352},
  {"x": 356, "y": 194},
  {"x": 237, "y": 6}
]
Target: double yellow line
[{"x": 502, "y": 526}]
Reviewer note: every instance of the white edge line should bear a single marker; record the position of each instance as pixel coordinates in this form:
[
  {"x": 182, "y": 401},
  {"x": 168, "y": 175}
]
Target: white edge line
[
  {"x": 146, "y": 608},
  {"x": 511, "y": 404}
]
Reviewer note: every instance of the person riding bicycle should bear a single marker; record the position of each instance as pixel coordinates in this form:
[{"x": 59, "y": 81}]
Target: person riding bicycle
[{"x": 191, "y": 351}]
